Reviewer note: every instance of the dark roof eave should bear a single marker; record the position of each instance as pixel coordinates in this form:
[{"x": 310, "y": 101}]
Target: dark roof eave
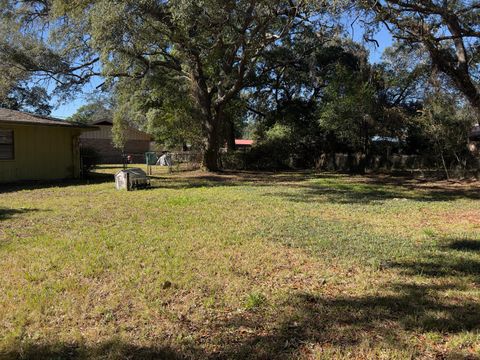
[{"x": 67, "y": 125}]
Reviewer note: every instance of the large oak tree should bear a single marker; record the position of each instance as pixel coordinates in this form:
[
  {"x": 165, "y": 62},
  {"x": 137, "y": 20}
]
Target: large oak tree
[{"x": 215, "y": 45}]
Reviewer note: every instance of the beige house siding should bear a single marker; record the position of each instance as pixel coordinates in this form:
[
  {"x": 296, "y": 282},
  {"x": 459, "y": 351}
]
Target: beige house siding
[
  {"x": 110, "y": 155},
  {"x": 137, "y": 144},
  {"x": 42, "y": 153},
  {"x": 105, "y": 132}
]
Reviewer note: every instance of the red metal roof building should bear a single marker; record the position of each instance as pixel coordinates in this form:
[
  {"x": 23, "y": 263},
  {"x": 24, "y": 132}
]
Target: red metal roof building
[{"x": 243, "y": 143}]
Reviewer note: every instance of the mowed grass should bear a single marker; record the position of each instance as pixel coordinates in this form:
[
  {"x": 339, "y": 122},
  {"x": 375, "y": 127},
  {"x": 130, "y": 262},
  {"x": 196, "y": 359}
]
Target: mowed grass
[{"x": 239, "y": 266}]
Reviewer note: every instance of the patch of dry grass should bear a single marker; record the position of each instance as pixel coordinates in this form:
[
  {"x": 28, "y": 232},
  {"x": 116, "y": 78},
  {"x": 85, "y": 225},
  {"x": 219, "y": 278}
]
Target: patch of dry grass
[{"x": 241, "y": 265}]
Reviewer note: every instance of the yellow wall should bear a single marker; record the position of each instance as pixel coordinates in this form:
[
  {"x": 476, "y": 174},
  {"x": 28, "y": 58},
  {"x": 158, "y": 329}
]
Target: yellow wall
[{"x": 42, "y": 153}]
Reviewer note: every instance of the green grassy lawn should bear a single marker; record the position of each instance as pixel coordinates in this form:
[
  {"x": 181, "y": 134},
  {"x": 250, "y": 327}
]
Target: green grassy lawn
[{"x": 241, "y": 265}]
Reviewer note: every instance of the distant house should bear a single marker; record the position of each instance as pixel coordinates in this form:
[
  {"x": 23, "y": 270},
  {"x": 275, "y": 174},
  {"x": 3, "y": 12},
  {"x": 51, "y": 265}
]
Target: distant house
[
  {"x": 243, "y": 143},
  {"x": 36, "y": 147},
  {"x": 137, "y": 143}
]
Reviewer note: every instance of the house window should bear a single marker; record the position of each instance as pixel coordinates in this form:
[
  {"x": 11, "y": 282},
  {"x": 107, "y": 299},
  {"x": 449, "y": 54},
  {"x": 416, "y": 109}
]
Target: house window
[{"x": 6, "y": 145}]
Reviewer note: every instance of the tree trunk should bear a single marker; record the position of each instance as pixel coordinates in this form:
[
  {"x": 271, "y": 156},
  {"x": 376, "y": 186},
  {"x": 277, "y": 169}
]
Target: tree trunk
[
  {"x": 211, "y": 145},
  {"x": 364, "y": 160},
  {"x": 459, "y": 73},
  {"x": 210, "y": 120},
  {"x": 230, "y": 134},
  {"x": 444, "y": 164}
]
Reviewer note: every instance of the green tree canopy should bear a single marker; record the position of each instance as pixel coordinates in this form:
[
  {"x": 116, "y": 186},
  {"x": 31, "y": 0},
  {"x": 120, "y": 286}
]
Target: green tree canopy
[
  {"x": 93, "y": 111},
  {"x": 215, "y": 46}
]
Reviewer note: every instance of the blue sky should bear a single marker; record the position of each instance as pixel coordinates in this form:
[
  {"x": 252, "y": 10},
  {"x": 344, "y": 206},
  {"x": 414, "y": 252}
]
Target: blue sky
[
  {"x": 383, "y": 37},
  {"x": 384, "y": 40},
  {"x": 68, "y": 108}
]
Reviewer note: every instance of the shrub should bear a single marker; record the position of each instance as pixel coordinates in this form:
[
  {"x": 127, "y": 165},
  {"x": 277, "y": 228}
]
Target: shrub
[
  {"x": 274, "y": 152},
  {"x": 89, "y": 159},
  {"x": 235, "y": 160}
]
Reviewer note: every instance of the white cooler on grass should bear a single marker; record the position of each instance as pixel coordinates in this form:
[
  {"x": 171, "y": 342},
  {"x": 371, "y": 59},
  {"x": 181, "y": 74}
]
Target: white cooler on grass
[{"x": 131, "y": 179}]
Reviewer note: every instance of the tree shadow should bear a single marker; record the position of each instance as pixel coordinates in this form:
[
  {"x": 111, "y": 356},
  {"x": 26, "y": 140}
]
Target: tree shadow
[
  {"x": 115, "y": 349},
  {"x": 367, "y": 193},
  {"x": 6, "y": 213},
  {"x": 465, "y": 245},
  {"x": 95, "y": 178},
  {"x": 329, "y": 187},
  {"x": 440, "y": 266},
  {"x": 231, "y": 179},
  {"x": 431, "y": 299},
  {"x": 450, "y": 259},
  {"x": 332, "y": 187},
  {"x": 344, "y": 323},
  {"x": 387, "y": 319}
]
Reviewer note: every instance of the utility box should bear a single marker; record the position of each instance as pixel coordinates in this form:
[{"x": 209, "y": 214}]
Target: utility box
[
  {"x": 151, "y": 158},
  {"x": 130, "y": 179}
]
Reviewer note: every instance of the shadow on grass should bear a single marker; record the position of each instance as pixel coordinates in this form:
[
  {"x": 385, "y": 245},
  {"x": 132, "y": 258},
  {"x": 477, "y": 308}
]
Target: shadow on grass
[
  {"x": 393, "y": 321},
  {"x": 431, "y": 298},
  {"x": 341, "y": 323},
  {"x": 440, "y": 266},
  {"x": 95, "y": 178},
  {"x": 230, "y": 178},
  {"x": 451, "y": 259},
  {"x": 465, "y": 245},
  {"x": 6, "y": 213},
  {"x": 388, "y": 320},
  {"x": 111, "y": 350},
  {"x": 309, "y": 187},
  {"x": 355, "y": 193}
]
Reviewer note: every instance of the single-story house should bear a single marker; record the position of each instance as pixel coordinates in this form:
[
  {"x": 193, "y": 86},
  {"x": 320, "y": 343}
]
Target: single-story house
[
  {"x": 240, "y": 145},
  {"x": 137, "y": 143},
  {"x": 34, "y": 147}
]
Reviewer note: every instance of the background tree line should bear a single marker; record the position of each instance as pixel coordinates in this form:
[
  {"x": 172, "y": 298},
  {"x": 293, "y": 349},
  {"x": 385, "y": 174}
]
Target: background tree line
[{"x": 285, "y": 71}]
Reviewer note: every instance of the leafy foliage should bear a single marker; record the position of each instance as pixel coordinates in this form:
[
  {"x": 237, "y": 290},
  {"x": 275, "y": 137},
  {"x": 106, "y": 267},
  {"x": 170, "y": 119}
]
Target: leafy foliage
[
  {"x": 348, "y": 109},
  {"x": 448, "y": 31},
  {"x": 161, "y": 105},
  {"x": 89, "y": 158},
  {"x": 201, "y": 72},
  {"x": 24, "y": 98},
  {"x": 214, "y": 46},
  {"x": 448, "y": 126},
  {"x": 92, "y": 112}
]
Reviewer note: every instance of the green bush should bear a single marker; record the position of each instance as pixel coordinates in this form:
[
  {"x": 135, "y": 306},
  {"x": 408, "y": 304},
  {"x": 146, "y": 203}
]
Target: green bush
[
  {"x": 274, "y": 151},
  {"x": 89, "y": 159},
  {"x": 235, "y": 160}
]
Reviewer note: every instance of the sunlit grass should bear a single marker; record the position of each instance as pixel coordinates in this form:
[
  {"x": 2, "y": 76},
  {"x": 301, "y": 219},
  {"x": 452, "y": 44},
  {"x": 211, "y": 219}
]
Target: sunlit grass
[{"x": 241, "y": 265}]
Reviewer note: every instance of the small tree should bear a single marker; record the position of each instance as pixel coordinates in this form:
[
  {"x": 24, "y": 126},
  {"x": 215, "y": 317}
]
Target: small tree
[
  {"x": 349, "y": 110},
  {"x": 448, "y": 126},
  {"x": 119, "y": 131}
]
